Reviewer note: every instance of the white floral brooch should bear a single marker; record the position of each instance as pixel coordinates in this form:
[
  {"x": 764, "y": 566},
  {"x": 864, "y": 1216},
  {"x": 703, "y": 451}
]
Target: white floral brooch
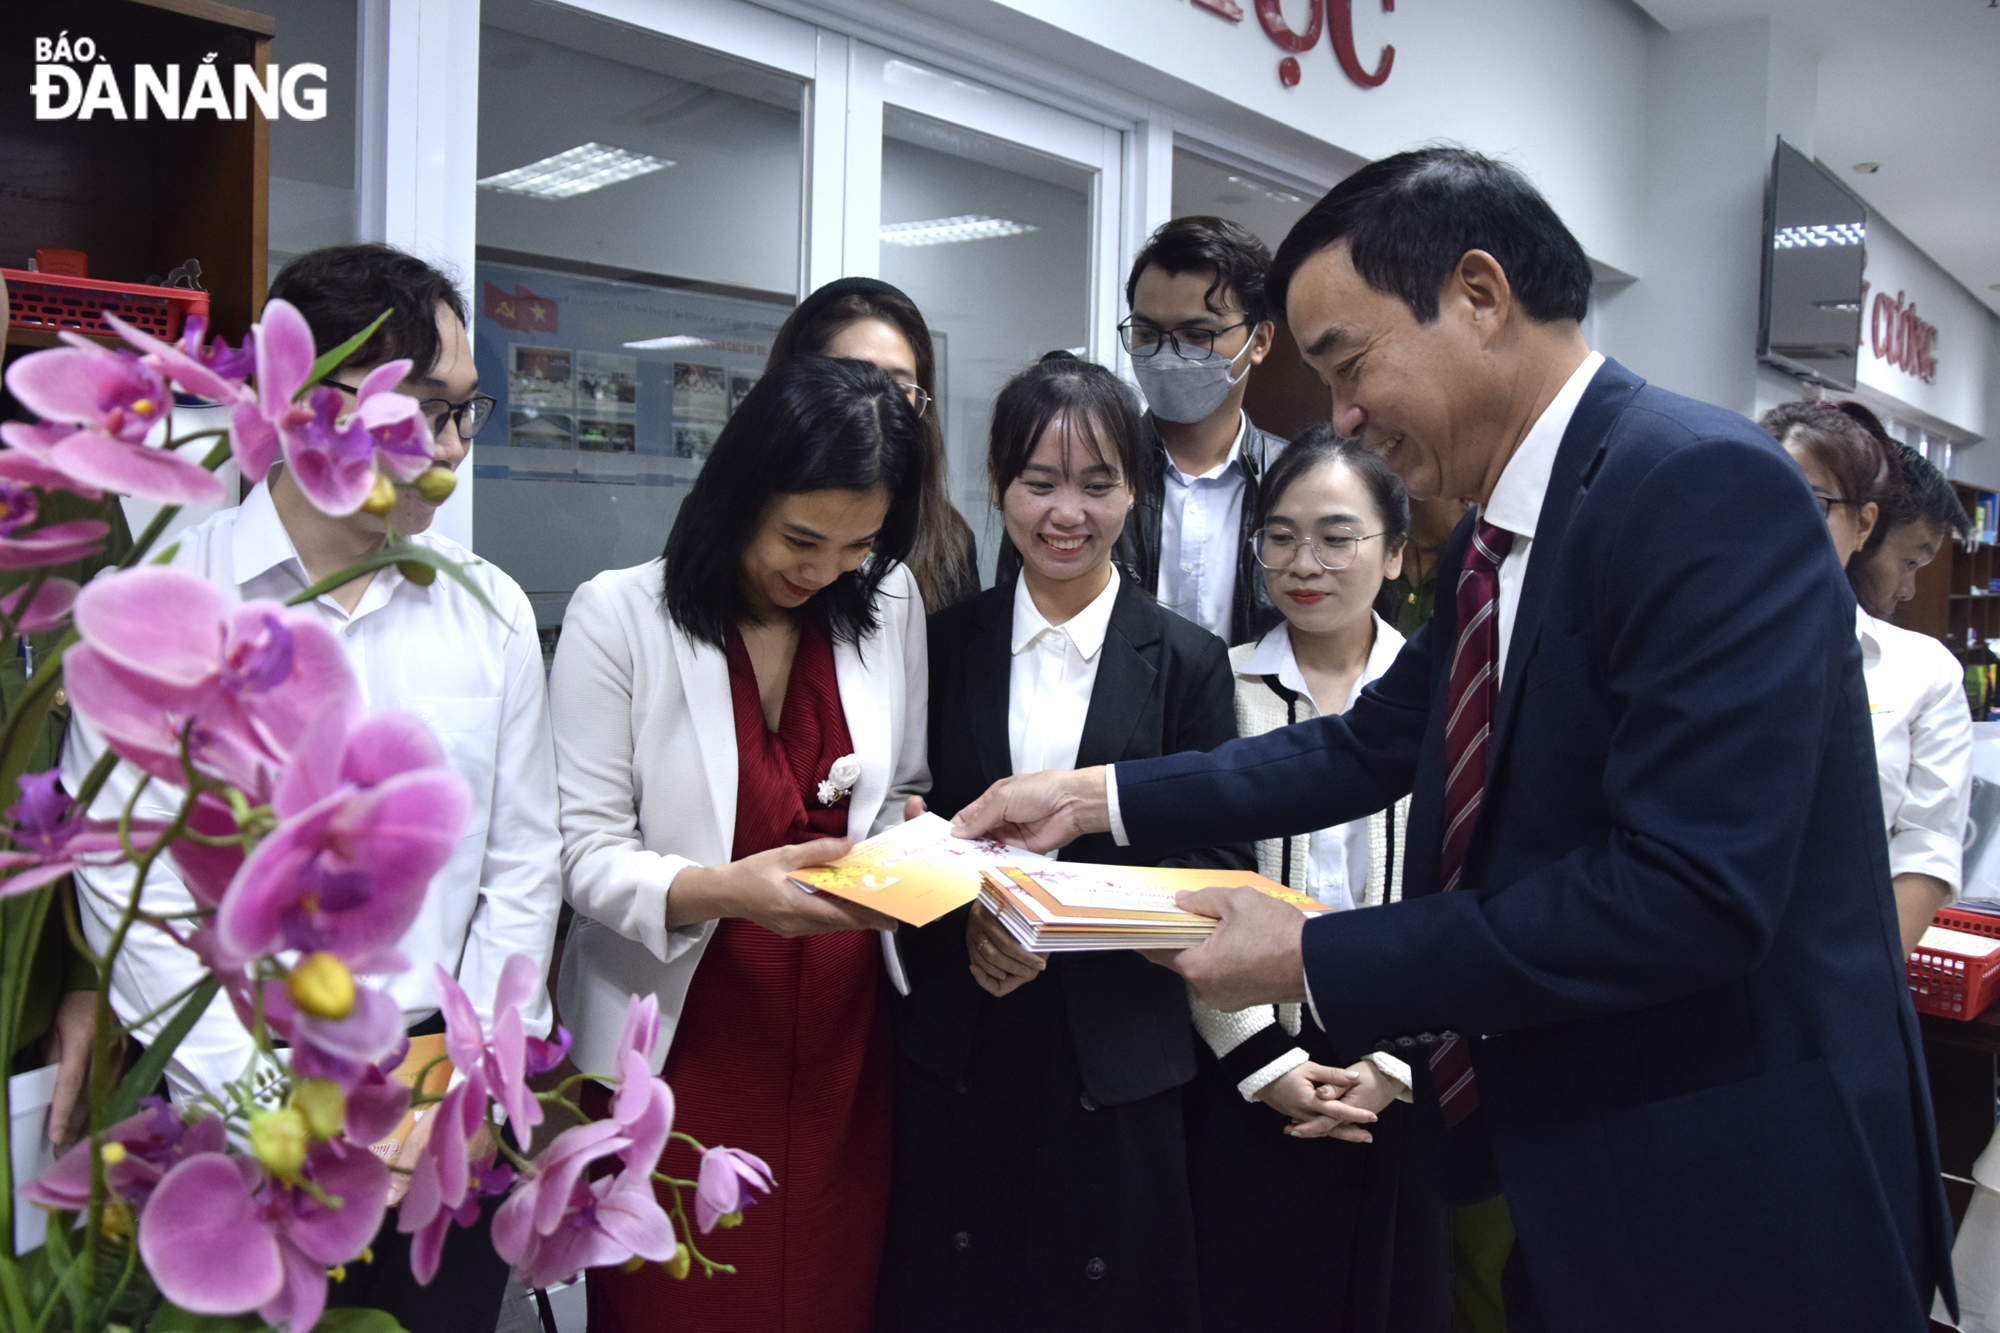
[{"x": 840, "y": 779}]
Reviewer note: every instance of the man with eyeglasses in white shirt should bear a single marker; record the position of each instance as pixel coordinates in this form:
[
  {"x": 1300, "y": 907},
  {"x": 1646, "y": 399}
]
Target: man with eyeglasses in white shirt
[{"x": 425, "y": 648}]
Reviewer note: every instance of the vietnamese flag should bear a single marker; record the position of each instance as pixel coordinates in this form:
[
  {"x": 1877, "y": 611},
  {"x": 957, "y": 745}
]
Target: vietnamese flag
[{"x": 537, "y": 314}]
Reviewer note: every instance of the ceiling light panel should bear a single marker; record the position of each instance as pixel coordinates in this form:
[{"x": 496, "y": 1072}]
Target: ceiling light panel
[
  {"x": 579, "y": 170},
  {"x": 949, "y": 231},
  {"x": 672, "y": 340}
]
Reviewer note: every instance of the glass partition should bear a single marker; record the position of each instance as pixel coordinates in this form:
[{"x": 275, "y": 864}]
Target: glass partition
[{"x": 638, "y": 247}]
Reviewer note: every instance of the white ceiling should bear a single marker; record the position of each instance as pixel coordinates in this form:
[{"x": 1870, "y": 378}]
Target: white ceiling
[{"x": 1913, "y": 85}]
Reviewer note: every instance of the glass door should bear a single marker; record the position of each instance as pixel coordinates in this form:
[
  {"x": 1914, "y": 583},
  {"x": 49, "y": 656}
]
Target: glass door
[
  {"x": 999, "y": 217},
  {"x": 640, "y": 223}
]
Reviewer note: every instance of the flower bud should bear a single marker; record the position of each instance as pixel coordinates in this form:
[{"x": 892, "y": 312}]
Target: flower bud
[
  {"x": 322, "y": 1104},
  {"x": 436, "y": 484},
  {"x": 112, "y": 1153},
  {"x": 417, "y": 572},
  {"x": 728, "y": 1220},
  {"x": 381, "y": 497},
  {"x": 322, "y": 986},
  {"x": 278, "y": 1141},
  {"x": 678, "y": 1266},
  {"x": 632, "y": 1265},
  {"x": 117, "y": 1221}
]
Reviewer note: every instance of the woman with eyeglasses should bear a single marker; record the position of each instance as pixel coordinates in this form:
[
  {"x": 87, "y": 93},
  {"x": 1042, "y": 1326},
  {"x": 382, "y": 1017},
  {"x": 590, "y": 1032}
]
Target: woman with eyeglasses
[
  {"x": 1916, "y": 699},
  {"x": 1040, "y": 1175},
  {"x": 1283, "y": 1128},
  {"x": 865, "y": 319}
]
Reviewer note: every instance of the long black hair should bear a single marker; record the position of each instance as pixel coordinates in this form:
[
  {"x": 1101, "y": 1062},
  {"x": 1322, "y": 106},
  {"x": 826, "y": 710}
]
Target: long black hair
[
  {"x": 812, "y": 423},
  {"x": 1095, "y": 404},
  {"x": 939, "y": 557}
]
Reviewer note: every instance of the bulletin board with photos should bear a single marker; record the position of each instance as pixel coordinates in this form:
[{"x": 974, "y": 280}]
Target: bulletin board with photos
[{"x": 612, "y": 389}]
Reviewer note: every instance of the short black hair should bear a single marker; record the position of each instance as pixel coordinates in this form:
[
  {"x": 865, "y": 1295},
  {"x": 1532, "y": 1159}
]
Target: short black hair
[
  {"x": 1096, "y": 405},
  {"x": 342, "y": 288},
  {"x": 1239, "y": 261},
  {"x": 1409, "y": 219},
  {"x": 1319, "y": 445},
  {"x": 811, "y": 423},
  {"x": 1926, "y": 496}
]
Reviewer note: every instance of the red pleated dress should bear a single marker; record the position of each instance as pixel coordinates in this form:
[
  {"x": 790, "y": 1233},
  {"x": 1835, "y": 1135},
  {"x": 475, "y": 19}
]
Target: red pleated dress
[{"x": 784, "y": 1050}]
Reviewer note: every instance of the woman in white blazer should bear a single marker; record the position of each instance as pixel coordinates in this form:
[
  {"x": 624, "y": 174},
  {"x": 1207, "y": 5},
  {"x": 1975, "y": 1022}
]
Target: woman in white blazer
[{"x": 744, "y": 706}]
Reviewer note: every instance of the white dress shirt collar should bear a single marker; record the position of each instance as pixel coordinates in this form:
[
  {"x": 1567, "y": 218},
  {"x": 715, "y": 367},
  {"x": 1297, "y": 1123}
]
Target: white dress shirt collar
[
  {"x": 1233, "y": 460},
  {"x": 1086, "y": 629},
  {"x": 1516, "y": 503},
  {"x": 259, "y": 544},
  {"x": 1273, "y": 656}
]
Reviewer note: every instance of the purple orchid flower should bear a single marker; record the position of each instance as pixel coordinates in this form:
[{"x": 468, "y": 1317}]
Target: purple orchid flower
[
  {"x": 115, "y": 400},
  {"x": 57, "y": 544},
  {"x": 52, "y": 844},
  {"x": 368, "y": 814},
  {"x": 445, "y": 1187},
  {"x": 206, "y": 369},
  {"x": 163, "y": 650},
  {"x": 556, "y": 1224},
  {"x": 722, "y": 1189},
  {"x": 504, "y": 1064},
  {"x": 49, "y": 608},
  {"x": 333, "y": 458},
  {"x": 222, "y": 1237},
  {"x": 343, "y": 1050},
  {"x": 30, "y": 457},
  {"x": 150, "y": 1144}
]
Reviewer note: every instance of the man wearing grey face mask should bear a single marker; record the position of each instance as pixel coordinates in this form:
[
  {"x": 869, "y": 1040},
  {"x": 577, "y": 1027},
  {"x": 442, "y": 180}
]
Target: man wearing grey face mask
[{"x": 1198, "y": 325}]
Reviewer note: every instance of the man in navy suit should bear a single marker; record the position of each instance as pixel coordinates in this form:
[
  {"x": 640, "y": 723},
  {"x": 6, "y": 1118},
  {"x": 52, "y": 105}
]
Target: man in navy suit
[{"x": 1647, "y": 929}]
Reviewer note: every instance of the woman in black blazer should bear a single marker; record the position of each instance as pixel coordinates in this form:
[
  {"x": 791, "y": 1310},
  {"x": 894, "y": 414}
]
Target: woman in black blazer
[{"x": 1040, "y": 1168}]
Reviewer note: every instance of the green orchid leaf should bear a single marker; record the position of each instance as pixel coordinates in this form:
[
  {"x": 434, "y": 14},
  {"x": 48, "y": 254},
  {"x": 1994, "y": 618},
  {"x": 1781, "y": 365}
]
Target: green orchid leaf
[
  {"x": 358, "y": 1321},
  {"x": 327, "y": 361},
  {"x": 145, "y": 1075}
]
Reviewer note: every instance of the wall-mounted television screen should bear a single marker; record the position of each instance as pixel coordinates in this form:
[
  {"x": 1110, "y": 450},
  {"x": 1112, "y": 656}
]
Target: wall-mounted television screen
[{"x": 1815, "y": 247}]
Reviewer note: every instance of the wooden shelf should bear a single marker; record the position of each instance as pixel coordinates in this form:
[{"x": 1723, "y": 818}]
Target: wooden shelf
[{"x": 49, "y": 338}]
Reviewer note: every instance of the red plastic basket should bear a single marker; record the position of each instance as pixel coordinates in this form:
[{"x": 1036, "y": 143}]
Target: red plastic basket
[
  {"x": 1954, "y": 987},
  {"x": 48, "y": 301}
]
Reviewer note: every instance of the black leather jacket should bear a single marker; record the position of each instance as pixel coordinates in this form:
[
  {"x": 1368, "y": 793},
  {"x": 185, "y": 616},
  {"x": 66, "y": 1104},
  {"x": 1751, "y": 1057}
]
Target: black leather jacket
[{"x": 1251, "y": 613}]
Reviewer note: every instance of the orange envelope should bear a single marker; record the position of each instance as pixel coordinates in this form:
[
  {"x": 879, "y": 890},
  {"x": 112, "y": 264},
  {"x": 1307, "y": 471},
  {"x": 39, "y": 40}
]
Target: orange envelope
[{"x": 914, "y": 872}]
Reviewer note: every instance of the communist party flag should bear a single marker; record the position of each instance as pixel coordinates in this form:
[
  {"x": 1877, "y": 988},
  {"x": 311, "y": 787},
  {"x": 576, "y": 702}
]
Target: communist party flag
[{"x": 520, "y": 309}]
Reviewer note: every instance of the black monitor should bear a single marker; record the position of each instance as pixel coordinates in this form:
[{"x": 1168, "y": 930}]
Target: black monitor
[{"x": 1815, "y": 248}]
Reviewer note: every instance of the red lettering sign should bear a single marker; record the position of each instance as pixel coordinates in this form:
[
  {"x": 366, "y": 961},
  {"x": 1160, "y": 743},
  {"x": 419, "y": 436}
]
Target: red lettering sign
[
  {"x": 1336, "y": 16},
  {"x": 1897, "y": 336}
]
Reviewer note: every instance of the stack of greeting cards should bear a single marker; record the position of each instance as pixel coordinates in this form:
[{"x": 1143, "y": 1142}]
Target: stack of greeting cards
[
  {"x": 916, "y": 872},
  {"x": 1054, "y": 907}
]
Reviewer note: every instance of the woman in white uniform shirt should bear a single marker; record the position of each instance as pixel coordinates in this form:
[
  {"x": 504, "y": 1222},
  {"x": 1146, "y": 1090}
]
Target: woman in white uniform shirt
[
  {"x": 1331, "y": 530},
  {"x": 1916, "y": 700}
]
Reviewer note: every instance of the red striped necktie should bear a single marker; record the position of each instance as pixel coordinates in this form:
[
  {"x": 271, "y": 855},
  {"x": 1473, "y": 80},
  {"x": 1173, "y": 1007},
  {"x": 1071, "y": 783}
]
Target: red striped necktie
[{"x": 1475, "y": 685}]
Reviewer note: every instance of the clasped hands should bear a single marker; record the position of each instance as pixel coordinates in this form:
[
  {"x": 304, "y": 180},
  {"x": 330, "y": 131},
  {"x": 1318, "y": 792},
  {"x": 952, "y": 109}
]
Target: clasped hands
[{"x": 1252, "y": 957}]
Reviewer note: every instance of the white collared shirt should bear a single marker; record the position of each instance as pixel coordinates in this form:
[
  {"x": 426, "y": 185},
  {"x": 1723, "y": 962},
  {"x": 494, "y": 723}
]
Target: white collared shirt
[
  {"x": 1337, "y": 868},
  {"x": 1201, "y": 522},
  {"x": 1051, "y": 677},
  {"x": 1516, "y": 504},
  {"x": 430, "y": 651},
  {"x": 1923, "y": 747}
]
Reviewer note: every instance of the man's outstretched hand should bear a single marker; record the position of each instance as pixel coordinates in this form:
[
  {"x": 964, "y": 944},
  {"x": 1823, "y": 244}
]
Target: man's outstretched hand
[
  {"x": 1253, "y": 956},
  {"x": 1038, "y": 811}
]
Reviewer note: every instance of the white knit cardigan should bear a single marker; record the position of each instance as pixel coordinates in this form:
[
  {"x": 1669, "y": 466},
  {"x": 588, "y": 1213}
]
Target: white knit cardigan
[{"x": 1259, "y": 709}]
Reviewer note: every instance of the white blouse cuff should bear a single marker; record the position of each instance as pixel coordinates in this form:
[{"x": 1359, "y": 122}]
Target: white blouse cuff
[{"x": 1270, "y": 1073}]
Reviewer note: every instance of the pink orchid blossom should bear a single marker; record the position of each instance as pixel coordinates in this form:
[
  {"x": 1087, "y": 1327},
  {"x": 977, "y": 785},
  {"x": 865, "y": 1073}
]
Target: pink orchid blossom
[
  {"x": 49, "y": 608},
  {"x": 163, "y": 650},
  {"x": 504, "y": 1064},
  {"x": 30, "y": 457},
  {"x": 332, "y": 457},
  {"x": 155, "y": 1141},
  {"x": 222, "y": 1237},
  {"x": 57, "y": 544},
  {"x": 343, "y": 1050},
  {"x": 723, "y": 1186},
  {"x": 195, "y": 365},
  {"x": 115, "y": 400},
  {"x": 556, "y": 1224},
  {"x": 51, "y": 843},
  {"x": 446, "y": 1187},
  {"x": 366, "y": 819}
]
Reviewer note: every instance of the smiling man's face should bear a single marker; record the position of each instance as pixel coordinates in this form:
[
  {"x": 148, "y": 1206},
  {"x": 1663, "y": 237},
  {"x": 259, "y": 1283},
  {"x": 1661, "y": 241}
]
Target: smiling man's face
[{"x": 1407, "y": 390}]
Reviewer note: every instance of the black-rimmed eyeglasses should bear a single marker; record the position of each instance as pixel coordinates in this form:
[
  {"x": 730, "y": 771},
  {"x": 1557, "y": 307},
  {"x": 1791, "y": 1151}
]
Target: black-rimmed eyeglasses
[
  {"x": 470, "y": 416},
  {"x": 1143, "y": 338}
]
